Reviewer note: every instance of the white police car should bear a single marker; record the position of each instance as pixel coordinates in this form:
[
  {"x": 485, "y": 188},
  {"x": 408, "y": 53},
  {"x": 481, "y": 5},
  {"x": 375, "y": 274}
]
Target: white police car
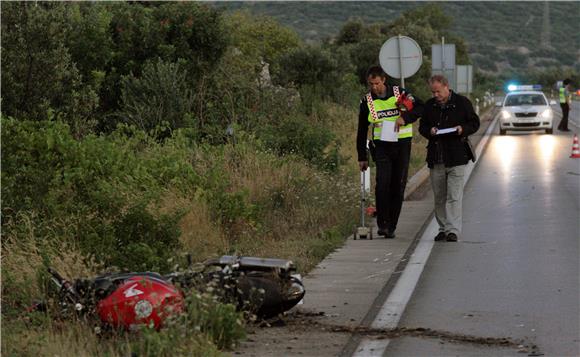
[{"x": 525, "y": 108}]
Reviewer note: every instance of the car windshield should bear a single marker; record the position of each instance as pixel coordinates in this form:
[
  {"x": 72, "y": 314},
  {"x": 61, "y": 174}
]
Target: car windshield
[{"x": 525, "y": 99}]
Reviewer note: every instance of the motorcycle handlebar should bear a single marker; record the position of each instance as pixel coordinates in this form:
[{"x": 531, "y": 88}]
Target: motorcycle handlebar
[
  {"x": 63, "y": 283},
  {"x": 56, "y": 275}
]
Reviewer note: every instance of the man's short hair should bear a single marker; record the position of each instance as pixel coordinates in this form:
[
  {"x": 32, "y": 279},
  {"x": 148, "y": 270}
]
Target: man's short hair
[
  {"x": 376, "y": 71},
  {"x": 439, "y": 78},
  {"x": 566, "y": 81}
]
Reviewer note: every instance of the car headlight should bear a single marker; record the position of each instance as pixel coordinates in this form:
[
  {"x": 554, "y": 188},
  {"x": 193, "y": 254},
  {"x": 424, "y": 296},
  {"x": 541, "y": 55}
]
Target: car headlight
[
  {"x": 505, "y": 114},
  {"x": 547, "y": 114}
]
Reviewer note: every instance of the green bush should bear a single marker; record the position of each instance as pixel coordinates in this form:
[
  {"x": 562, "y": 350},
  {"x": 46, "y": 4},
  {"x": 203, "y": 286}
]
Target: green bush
[
  {"x": 221, "y": 322},
  {"x": 309, "y": 65},
  {"x": 173, "y": 342},
  {"x": 40, "y": 80},
  {"x": 297, "y": 136},
  {"x": 103, "y": 190},
  {"x": 351, "y": 32},
  {"x": 363, "y": 55},
  {"x": 144, "y": 241},
  {"x": 260, "y": 37},
  {"x": 206, "y": 326},
  {"x": 160, "y": 96}
]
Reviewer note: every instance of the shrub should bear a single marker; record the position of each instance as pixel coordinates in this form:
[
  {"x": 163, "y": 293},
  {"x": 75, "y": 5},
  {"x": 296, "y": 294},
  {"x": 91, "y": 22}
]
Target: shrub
[
  {"x": 296, "y": 135},
  {"x": 102, "y": 192},
  {"x": 351, "y": 32},
  {"x": 206, "y": 326},
  {"x": 160, "y": 96},
  {"x": 38, "y": 74},
  {"x": 309, "y": 65}
]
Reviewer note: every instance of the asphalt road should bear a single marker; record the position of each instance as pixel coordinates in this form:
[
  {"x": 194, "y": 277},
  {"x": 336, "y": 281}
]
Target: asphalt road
[
  {"x": 574, "y": 115},
  {"x": 515, "y": 272}
]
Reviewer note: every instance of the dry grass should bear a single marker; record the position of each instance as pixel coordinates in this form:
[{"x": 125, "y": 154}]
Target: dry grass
[
  {"x": 302, "y": 214},
  {"x": 56, "y": 339},
  {"x": 24, "y": 258},
  {"x": 200, "y": 236},
  {"x": 298, "y": 205},
  {"x": 345, "y": 125},
  {"x": 418, "y": 151},
  {"x": 302, "y": 205},
  {"x": 25, "y": 255}
]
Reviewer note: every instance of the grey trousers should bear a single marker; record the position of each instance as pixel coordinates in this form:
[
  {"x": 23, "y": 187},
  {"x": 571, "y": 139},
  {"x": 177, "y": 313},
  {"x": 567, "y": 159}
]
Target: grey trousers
[{"x": 447, "y": 184}]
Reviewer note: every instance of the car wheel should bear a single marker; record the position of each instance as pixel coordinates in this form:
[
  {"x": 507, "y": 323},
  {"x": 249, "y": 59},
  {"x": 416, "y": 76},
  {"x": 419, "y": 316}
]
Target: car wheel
[
  {"x": 502, "y": 131},
  {"x": 549, "y": 131}
]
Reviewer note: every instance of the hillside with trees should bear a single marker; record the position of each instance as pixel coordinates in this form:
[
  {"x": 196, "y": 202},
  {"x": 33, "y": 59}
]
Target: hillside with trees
[{"x": 500, "y": 36}]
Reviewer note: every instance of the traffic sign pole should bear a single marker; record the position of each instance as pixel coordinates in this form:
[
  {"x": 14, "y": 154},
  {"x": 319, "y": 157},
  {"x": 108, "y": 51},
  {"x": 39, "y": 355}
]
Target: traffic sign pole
[{"x": 401, "y": 61}]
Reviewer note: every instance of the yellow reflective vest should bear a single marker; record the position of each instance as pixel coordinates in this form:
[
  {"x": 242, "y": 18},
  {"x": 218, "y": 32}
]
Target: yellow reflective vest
[
  {"x": 563, "y": 96},
  {"x": 387, "y": 110}
]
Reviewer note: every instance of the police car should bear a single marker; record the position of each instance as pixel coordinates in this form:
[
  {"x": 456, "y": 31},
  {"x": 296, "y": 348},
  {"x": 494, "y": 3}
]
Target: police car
[{"x": 525, "y": 108}]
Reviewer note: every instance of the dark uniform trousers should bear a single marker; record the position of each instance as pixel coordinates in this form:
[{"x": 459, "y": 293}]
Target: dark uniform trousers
[
  {"x": 392, "y": 161},
  {"x": 564, "y": 122}
]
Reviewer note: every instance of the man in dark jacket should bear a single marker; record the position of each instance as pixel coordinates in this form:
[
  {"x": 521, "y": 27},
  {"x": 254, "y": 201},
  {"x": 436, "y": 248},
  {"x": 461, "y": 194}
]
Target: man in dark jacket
[
  {"x": 447, "y": 121},
  {"x": 390, "y": 111}
]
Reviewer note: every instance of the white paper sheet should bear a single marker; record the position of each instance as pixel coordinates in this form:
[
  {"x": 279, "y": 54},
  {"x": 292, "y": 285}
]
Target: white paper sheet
[
  {"x": 388, "y": 132},
  {"x": 446, "y": 131}
]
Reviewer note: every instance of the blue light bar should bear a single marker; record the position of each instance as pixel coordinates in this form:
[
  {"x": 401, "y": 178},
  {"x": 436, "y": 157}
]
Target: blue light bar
[{"x": 514, "y": 87}]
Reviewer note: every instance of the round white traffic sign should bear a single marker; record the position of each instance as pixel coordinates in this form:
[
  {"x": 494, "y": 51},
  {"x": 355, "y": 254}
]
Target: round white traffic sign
[{"x": 400, "y": 54}]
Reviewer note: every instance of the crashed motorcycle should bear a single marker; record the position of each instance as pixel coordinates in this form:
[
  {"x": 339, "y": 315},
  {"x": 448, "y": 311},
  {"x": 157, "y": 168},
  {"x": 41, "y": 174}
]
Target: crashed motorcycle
[{"x": 264, "y": 287}]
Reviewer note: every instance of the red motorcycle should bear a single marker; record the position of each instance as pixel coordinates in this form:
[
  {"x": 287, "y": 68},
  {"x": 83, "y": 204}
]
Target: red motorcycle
[{"x": 263, "y": 286}]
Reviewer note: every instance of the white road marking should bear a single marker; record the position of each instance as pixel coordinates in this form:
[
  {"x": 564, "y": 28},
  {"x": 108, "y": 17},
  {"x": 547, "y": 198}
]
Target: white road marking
[{"x": 393, "y": 308}]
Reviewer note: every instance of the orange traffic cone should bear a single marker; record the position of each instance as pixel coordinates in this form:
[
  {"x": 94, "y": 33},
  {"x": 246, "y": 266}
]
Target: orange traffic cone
[{"x": 575, "y": 148}]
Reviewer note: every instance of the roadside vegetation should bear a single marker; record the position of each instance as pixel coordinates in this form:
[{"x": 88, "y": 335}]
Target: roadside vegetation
[{"x": 134, "y": 133}]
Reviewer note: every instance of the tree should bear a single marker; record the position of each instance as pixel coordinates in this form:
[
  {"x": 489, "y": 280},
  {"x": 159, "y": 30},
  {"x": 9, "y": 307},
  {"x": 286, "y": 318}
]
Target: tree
[
  {"x": 160, "y": 96},
  {"x": 39, "y": 78},
  {"x": 308, "y": 65},
  {"x": 351, "y": 32},
  {"x": 89, "y": 40},
  {"x": 190, "y": 33},
  {"x": 260, "y": 36},
  {"x": 365, "y": 54}
]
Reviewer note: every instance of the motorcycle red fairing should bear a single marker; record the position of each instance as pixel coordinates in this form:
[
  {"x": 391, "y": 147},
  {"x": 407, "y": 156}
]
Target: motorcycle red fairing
[{"x": 141, "y": 300}]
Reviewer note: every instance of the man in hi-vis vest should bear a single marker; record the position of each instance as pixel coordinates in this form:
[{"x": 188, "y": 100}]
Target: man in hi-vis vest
[
  {"x": 389, "y": 110},
  {"x": 565, "y": 102}
]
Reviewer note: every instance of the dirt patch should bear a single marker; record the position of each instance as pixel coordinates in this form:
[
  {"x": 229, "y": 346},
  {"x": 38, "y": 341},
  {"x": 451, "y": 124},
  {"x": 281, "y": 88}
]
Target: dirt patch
[{"x": 304, "y": 323}]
